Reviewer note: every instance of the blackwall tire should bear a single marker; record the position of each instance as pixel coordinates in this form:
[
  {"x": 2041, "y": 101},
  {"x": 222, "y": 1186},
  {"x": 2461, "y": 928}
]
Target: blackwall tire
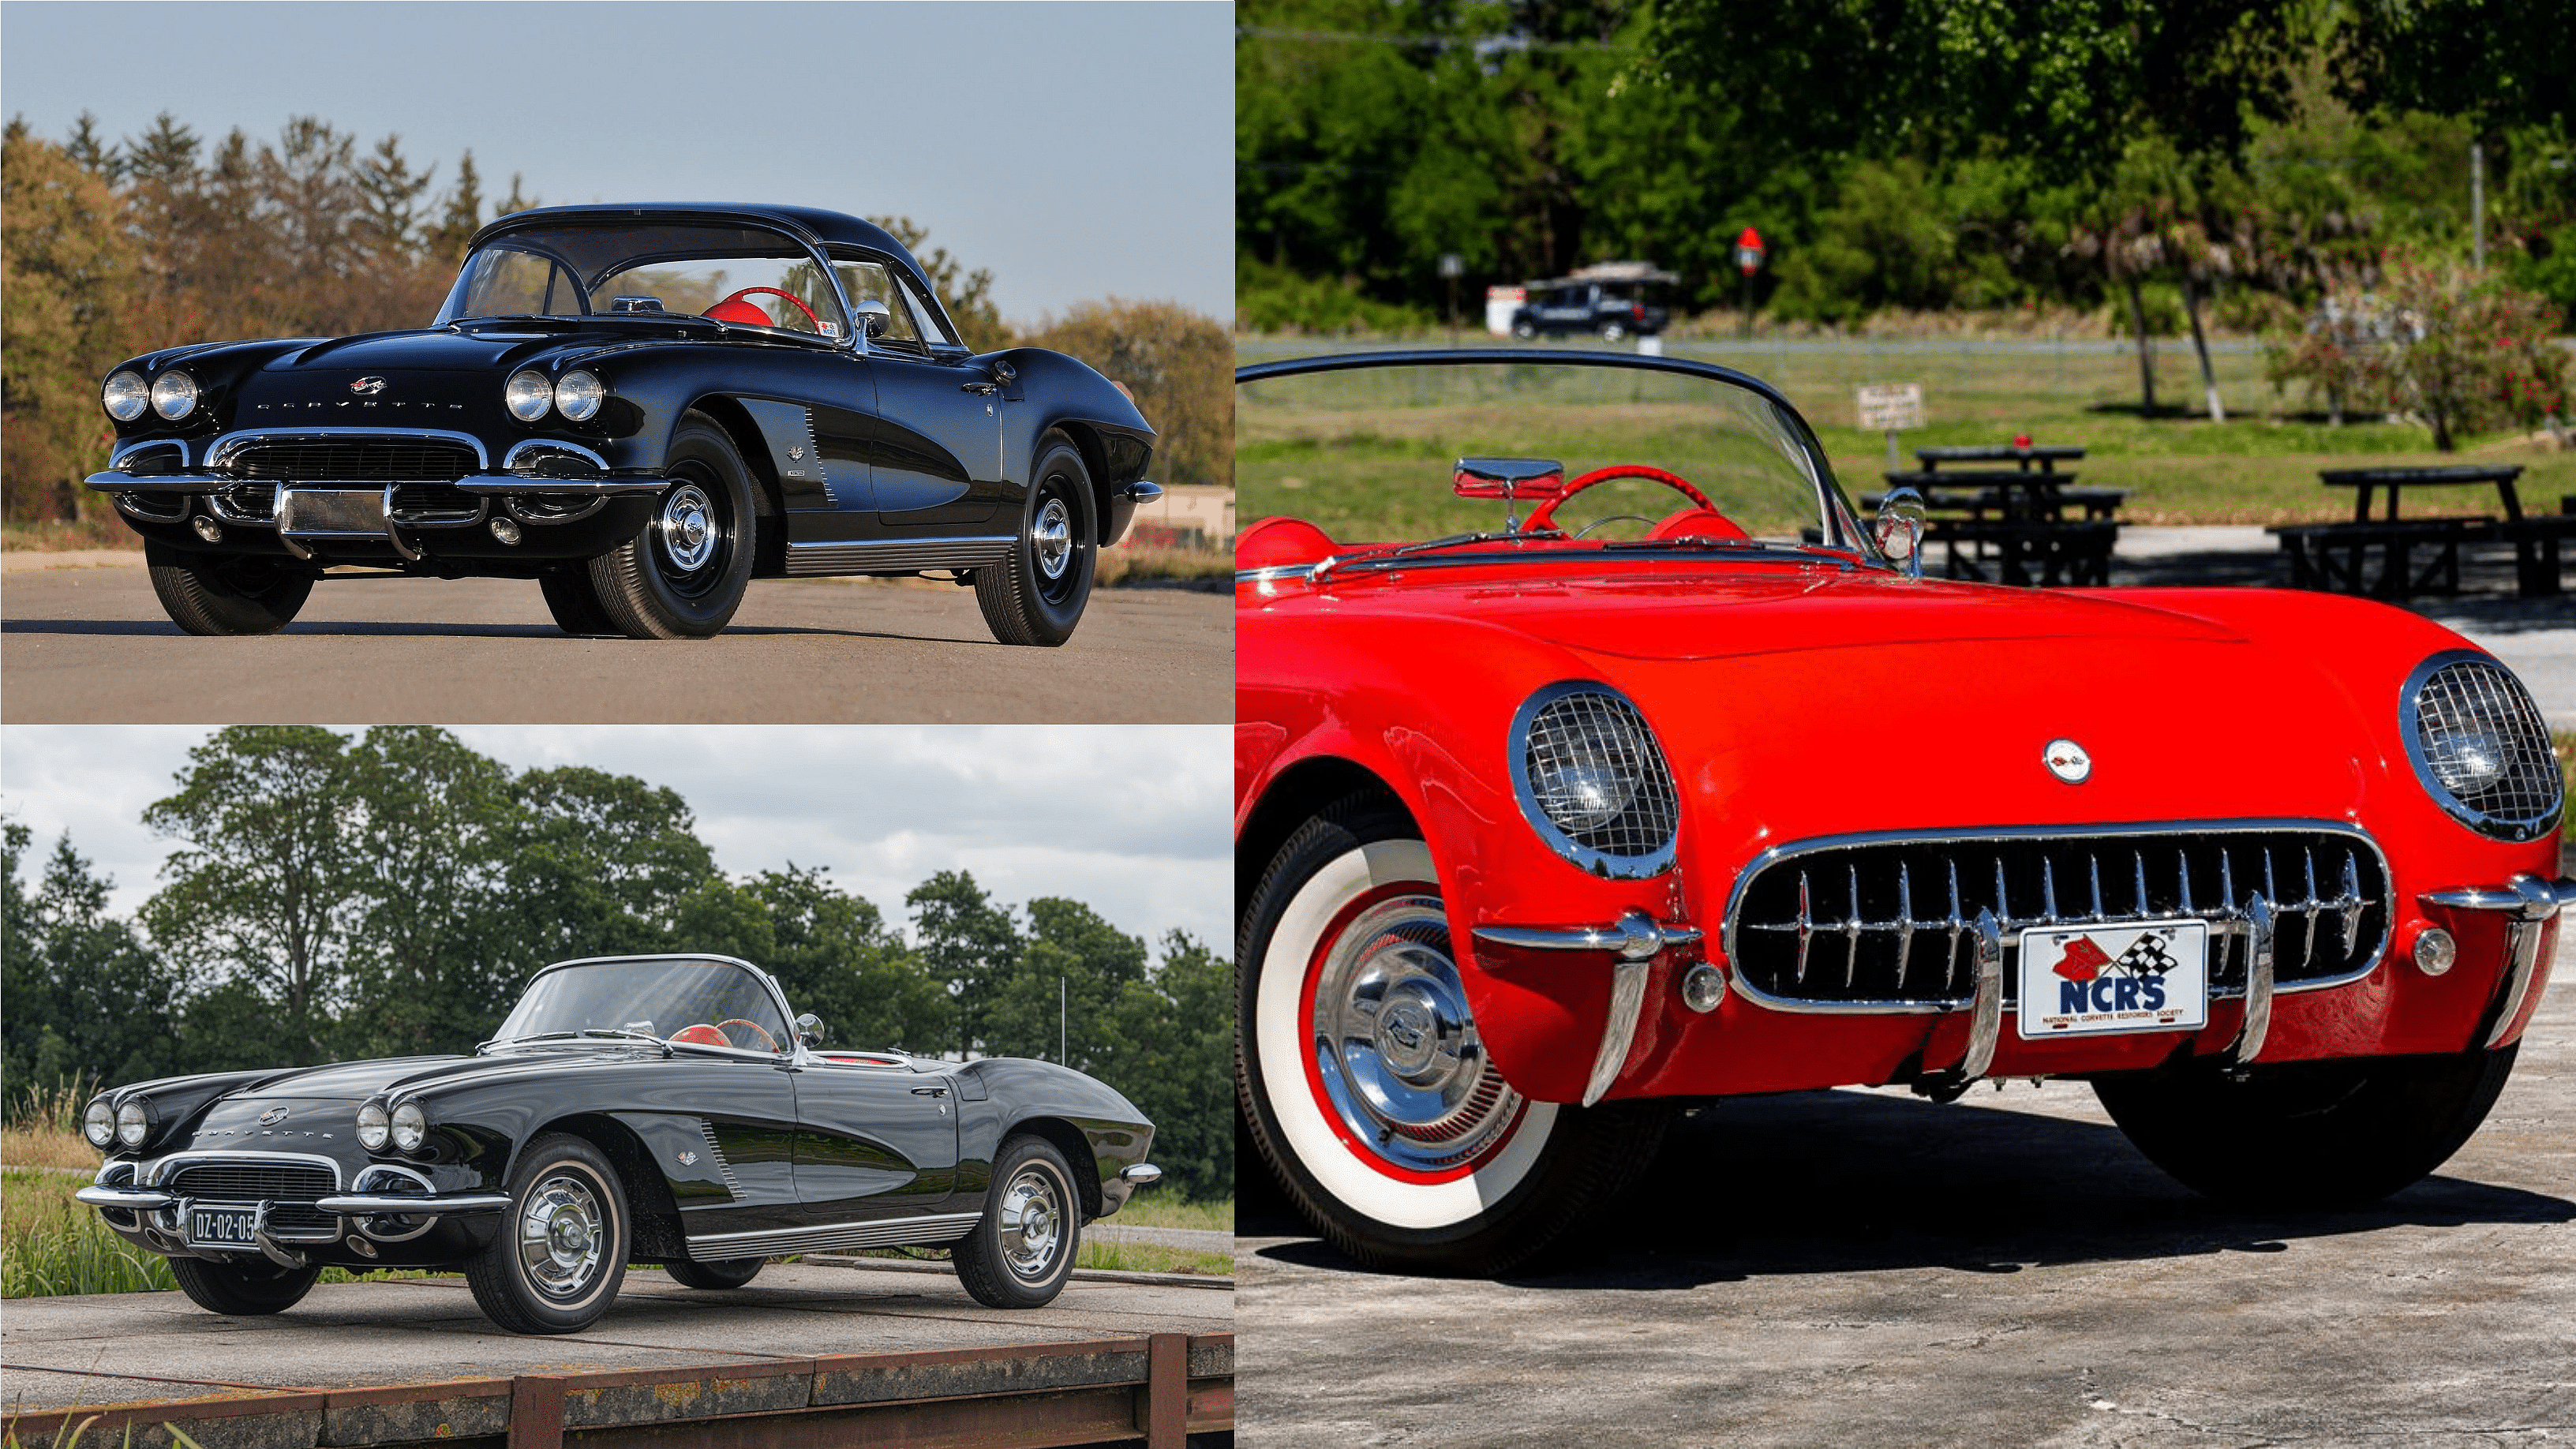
[
  {"x": 207, "y": 593},
  {"x": 560, "y": 1254},
  {"x": 574, "y": 601},
  {"x": 1524, "y": 330},
  {"x": 1476, "y": 1180},
  {"x": 731, "y": 1273},
  {"x": 1036, "y": 597},
  {"x": 242, "y": 1290},
  {"x": 1021, "y": 1252},
  {"x": 2308, "y": 1134},
  {"x": 684, "y": 575}
]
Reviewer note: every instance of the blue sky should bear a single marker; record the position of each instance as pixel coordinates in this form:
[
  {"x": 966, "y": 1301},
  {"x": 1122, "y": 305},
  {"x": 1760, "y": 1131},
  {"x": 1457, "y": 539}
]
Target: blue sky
[{"x": 1078, "y": 150}]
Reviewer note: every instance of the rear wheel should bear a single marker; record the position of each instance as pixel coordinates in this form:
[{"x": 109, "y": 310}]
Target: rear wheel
[
  {"x": 208, "y": 593},
  {"x": 684, "y": 575},
  {"x": 574, "y": 601},
  {"x": 2308, "y": 1134},
  {"x": 1021, "y": 1253},
  {"x": 242, "y": 1290},
  {"x": 1036, "y": 595},
  {"x": 1524, "y": 329},
  {"x": 1367, "y": 1089},
  {"x": 731, "y": 1273},
  {"x": 556, "y": 1263}
]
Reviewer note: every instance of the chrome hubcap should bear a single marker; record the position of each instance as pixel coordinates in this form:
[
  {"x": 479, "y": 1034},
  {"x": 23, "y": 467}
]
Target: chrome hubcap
[
  {"x": 1053, "y": 534},
  {"x": 1396, "y": 1046},
  {"x": 1033, "y": 1223},
  {"x": 688, "y": 527},
  {"x": 561, "y": 1236}
]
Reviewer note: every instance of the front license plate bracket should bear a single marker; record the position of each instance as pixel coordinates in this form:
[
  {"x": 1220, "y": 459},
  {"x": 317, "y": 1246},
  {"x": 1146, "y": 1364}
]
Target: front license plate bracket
[{"x": 228, "y": 1227}]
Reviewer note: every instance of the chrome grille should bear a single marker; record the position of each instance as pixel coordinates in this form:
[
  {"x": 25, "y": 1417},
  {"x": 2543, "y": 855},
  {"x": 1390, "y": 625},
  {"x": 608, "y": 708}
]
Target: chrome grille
[
  {"x": 1583, "y": 741},
  {"x": 1890, "y": 922},
  {"x": 2473, "y": 718},
  {"x": 434, "y": 501},
  {"x": 355, "y": 460},
  {"x": 246, "y": 505},
  {"x": 292, "y": 1188}
]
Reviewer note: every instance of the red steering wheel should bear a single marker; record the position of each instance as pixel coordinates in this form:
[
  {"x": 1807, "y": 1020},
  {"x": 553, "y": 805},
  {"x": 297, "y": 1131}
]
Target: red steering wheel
[
  {"x": 774, "y": 292},
  {"x": 1544, "y": 515}
]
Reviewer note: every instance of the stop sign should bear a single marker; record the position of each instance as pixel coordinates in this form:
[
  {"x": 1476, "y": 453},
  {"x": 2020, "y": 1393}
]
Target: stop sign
[{"x": 1749, "y": 251}]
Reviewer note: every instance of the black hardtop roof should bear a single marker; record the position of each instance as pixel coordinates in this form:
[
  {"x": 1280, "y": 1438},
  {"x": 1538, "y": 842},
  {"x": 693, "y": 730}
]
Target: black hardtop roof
[{"x": 830, "y": 228}]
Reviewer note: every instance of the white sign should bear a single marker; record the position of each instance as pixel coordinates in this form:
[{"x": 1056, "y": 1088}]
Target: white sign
[
  {"x": 1500, "y": 304},
  {"x": 1888, "y": 406}
]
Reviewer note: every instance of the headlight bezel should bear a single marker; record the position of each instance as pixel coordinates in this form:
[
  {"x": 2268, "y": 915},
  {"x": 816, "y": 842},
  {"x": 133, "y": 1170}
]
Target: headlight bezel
[
  {"x": 138, "y": 392},
  {"x": 183, "y": 395},
  {"x": 580, "y": 394},
  {"x": 375, "y": 1127},
  {"x": 410, "y": 1127},
  {"x": 2523, "y": 737},
  {"x": 134, "y": 1123},
  {"x": 533, "y": 403},
  {"x": 98, "y": 1124},
  {"x": 1652, "y": 791}
]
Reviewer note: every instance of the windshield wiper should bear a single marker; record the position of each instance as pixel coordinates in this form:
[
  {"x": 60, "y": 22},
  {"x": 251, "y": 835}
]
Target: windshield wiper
[
  {"x": 608, "y": 1032},
  {"x": 1428, "y": 545}
]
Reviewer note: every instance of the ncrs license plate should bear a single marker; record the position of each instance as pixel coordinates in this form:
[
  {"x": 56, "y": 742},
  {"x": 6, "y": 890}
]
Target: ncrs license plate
[
  {"x": 2092, "y": 980},
  {"x": 221, "y": 1227}
]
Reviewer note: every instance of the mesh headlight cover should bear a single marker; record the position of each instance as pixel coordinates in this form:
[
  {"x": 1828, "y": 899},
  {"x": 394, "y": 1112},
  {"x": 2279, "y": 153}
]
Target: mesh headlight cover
[
  {"x": 1592, "y": 781},
  {"x": 2480, "y": 746}
]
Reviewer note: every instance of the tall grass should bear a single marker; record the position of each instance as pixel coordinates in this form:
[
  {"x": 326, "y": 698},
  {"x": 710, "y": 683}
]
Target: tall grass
[{"x": 51, "y": 1245}]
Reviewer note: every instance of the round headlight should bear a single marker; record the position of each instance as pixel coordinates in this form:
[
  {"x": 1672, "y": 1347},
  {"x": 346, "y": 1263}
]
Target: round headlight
[
  {"x": 528, "y": 395},
  {"x": 373, "y": 1127},
  {"x": 411, "y": 1127},
  {"x": 125, "y": 396},
  {"x": 174, "y": 395},
  {"x": 99, "y": 1124},
  {"x": 578, "y": 395},
  {"x": 2480, "y": 747},
  {"x": 1592, "y": 781},
  {"x": 133, "y": 1124}
]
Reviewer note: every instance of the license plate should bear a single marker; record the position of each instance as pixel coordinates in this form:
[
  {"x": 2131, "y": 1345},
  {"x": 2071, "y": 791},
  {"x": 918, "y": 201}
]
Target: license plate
[
  {"x": 221, "y": 1227},
  {"x": 333, "y": 510},
  {"x": 2094, "y": 980}
]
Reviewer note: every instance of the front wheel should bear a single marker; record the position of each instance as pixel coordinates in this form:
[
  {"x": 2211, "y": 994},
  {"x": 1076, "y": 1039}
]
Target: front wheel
[
  {"x": 207, "y": 593},
  {"x": 1524, "y": 329},
  {"x": 242, "y": 1290},
  {"x": 1366, "y": 1087},
  {"x": 1614, "y": 331},
  {"x": 1021, "y": 1253},
  {"x": 731, "y": 1273},
  {"x": 684, "y": 575},
  {"x": 559, "y": 1257},
  {"x": 2307, "y": 1134},
  {"x": 1036, "y": 595}
]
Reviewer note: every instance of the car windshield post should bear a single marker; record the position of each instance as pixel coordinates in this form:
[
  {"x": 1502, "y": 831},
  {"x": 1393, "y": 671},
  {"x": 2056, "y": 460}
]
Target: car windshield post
[{"x": 685, "y": 267}]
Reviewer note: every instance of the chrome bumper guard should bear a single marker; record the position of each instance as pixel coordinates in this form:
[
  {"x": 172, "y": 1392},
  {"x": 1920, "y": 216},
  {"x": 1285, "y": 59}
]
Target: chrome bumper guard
[
  {"x": 1142, "y": 1174},
  {"x": 355, "y": 1204},
  {"x": 471, "y": 483},
  {"x": 1636, "y": 939},
  {"x": 131, "y": 1199},
  {"x": 2527, "y": 902}
]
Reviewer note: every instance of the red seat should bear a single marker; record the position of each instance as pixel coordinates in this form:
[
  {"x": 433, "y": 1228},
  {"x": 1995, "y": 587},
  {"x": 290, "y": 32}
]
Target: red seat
[
  {"x": 738, "y": 310},
  {"x": 702, "y": 1035},
  {"x": 1698, "y": 523},
  {"x": 1281, "y": 542}
]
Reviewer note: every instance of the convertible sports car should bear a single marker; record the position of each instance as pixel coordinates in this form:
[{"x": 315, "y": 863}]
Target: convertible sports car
[
  {"x": 642, "y": 408},
  {"x": 654, "y": 1109},
  {"x": 1682, "y": 784}
]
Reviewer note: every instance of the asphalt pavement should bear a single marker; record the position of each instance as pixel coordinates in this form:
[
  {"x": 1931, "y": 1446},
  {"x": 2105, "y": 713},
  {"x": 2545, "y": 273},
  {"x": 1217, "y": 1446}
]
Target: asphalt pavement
[
  {"x": 127, "y": 1346},
  {"x": 1863, "y": 1267},
  {"x": 90, "y": 645}
]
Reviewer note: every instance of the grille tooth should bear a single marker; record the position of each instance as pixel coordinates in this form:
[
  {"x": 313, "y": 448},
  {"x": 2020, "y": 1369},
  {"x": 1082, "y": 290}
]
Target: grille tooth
[
  {"x": 355, "y": 460},
  {"x": 2170, "y": 872}
]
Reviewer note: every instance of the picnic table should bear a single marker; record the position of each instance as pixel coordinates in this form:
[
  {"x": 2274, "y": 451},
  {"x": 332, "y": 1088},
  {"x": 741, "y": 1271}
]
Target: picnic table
[
  {"x": 2422, "y": 555},
  {"x": 2014, "y": 524}
]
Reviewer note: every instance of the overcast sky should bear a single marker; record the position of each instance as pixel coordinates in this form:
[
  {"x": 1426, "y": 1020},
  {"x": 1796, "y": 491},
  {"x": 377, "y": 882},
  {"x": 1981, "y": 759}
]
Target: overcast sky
[
  {"x": 1078, "y": 150},
  {"x": 1132, "y": 821}
]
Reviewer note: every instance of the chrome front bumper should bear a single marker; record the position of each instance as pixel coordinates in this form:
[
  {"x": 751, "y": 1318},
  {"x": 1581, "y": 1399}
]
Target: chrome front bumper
[
  {"x": 1636, "y": 940},
  {"x": 2527, "y": 902},
  {"x": 116, "y": 1190}
]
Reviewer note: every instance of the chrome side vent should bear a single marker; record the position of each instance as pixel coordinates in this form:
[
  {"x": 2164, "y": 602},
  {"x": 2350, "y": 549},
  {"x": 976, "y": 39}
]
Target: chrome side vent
[{"x": 724, "y": 1169}]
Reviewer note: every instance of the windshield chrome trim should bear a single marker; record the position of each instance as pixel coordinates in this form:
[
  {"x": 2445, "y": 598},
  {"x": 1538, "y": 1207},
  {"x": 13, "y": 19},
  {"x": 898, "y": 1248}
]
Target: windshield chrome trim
[
  {"x": 813, "y": 246},
  {"x": 778, "y": 998}
]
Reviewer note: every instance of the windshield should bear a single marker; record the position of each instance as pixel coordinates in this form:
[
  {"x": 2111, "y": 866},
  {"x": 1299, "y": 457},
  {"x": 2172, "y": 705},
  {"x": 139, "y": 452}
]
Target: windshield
[
  {"x": 741, "y": 275},
  {"x": 707, "y": 1003},
  {"x": 1409, "y": 451}
]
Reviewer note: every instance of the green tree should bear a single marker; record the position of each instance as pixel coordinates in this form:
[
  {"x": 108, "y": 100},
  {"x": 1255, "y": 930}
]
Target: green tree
[
  {"x": 1054, "y": 999},
  {"x": 966, "y": 942},
  {"x": 67, "y": 278},
  {"x": 88, "y": 1000},
  {"x": 1176, "y": 1031},
  {"x": 600, "y": 864},
  {"x": 834, "y": 955},
  {"x": 1179, "y": 364},
  {"x": 968, "y": 296}
]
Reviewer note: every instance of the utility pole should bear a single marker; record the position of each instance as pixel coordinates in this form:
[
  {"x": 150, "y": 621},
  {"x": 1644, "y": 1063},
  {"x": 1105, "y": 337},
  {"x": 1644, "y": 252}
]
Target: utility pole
[
  {"x": 2478, "y": 205},
  {"x": 1063, "y": 1056}
]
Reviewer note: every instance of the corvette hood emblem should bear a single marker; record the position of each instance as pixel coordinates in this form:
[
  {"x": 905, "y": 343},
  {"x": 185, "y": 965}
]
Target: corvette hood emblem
[
  {"x": 368, "y": 386},
  {"x": 272, "y": 1116},
  {"x": 2067, "y": 761}
]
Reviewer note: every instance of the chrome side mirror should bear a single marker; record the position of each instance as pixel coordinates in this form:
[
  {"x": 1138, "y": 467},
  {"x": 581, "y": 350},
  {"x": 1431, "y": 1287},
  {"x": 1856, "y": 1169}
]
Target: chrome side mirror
[
  {"x": 1899, "y": 530},
  {"x": 874, "y": 316},
  {"x": 809, "y": 1029}
]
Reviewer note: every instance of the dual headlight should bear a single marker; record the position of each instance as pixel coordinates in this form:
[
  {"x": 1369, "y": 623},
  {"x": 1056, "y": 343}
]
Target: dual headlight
[
  {"x": 2480, "y": 746},
  {"x": 1592, "y": 781},
  {"x": 577, "y": 395},
  {"x": 405, "y": 1126},
  {"x": 130, "y": 1125},
  {"x": 173, "y": 395}
]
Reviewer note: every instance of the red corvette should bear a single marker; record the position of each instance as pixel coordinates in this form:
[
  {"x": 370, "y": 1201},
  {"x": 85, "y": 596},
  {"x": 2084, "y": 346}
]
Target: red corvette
[{"x": 1649, "y": 774}]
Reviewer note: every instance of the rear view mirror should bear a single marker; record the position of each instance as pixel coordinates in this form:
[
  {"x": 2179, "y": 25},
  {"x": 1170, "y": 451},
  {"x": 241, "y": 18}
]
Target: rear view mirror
[
  {"x": 1509, "y": 478},
  {"x": 1899, "y": 530},
  {"x": 809, "y": 1029},
  {"x": 874, "y": 316}
]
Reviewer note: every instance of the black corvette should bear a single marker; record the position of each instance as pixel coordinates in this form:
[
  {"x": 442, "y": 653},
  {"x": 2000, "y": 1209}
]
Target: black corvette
[
  {"x": 643, "y": 408},
  {"x": 595, "y": 1130}
]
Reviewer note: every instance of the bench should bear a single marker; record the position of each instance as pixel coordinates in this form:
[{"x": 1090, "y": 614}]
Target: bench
[
  {"x": 2335, "y": 556},
  {"x": 2025, "y": 551}
]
